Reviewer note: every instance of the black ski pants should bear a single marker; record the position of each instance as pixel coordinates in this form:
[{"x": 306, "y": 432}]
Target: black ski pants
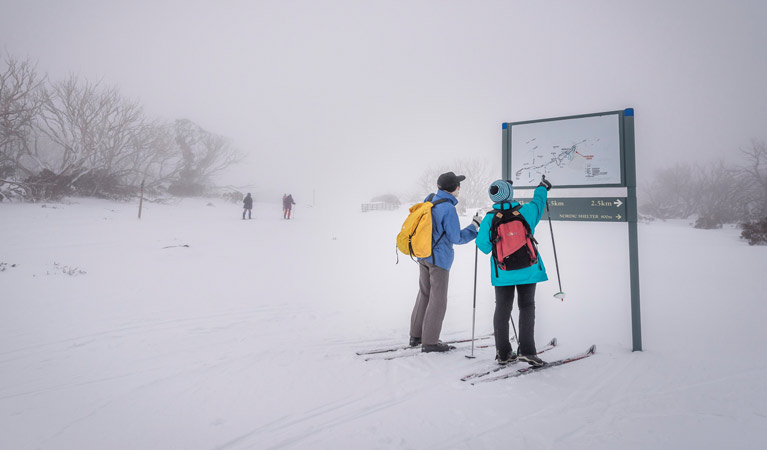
[{"x": 504, "y": 300}]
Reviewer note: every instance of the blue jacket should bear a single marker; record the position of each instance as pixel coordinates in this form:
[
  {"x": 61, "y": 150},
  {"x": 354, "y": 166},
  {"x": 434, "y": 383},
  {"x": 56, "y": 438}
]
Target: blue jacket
[
  {"x": 532, "y": 212},
  {"x": 445, "y": 219}
]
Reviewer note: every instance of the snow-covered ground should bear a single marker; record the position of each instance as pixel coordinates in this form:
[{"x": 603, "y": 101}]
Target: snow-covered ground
[{"x": 193, "y": 329}]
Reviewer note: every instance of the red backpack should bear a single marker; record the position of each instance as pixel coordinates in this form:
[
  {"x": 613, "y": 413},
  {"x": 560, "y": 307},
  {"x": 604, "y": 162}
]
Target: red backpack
[{"x": 514, "y": 246}]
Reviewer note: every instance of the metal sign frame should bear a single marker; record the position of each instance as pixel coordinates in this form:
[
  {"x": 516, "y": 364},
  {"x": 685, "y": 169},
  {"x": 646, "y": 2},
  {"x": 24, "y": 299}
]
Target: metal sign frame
[{"x": 628, "y": 181}]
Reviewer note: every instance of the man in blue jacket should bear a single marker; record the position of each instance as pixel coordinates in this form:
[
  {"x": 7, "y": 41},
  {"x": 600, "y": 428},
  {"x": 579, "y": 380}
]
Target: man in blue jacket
[
  {"x": 523, "y": 280},
  {"x": 431, "y": 302}
]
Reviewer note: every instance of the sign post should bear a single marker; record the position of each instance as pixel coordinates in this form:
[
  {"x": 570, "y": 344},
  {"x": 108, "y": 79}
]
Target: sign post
[
  {"x": 631, "y": 186},
  {"x": 590, "y": 153}
]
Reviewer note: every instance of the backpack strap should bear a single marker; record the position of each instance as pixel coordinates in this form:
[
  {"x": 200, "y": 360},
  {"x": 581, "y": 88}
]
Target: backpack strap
[
  {"x": 433, "y": 258},
  {"x": 527, "y": 227},
  {"x": 494, "y": 224},
  {"x": 434, "y": 244}
]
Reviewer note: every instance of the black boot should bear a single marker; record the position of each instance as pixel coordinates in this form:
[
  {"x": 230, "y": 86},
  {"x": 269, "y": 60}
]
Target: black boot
[
  {"x": 415, "y": 341},
  {"x": 533, "y": 360},
  {"x": 440, "y": 347},
  {"x": 510, "y": 358}
]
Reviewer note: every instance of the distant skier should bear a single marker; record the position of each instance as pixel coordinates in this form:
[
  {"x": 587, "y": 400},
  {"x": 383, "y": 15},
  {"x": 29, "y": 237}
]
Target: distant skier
[
  {"x": 515, "y": 264},
  {"x": 248, "y": 206},
  {"x": 287, "y": 205}
]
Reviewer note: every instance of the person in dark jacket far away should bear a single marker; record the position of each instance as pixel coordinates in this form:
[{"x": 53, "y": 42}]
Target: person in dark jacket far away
[
  {"x": 287, "y": 205},
  {"x": 247, "y": 204},
  {"x": 431, "y": 302},
  {"x": 523, "y": 280}
]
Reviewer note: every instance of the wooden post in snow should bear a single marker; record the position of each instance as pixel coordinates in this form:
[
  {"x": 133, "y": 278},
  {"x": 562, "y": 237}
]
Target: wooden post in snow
[{"x": 141, "y": 199}]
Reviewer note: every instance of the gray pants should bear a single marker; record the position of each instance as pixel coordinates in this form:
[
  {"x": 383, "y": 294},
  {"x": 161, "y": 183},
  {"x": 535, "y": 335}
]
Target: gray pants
[{"x": 431, "y": 303}]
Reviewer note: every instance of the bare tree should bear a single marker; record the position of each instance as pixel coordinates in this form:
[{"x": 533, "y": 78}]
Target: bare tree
[
  {"x": 155, "y": 159},
  {"x": 114, "y": 153},
  {"x": 19, "y": 105},
  {"x": 479, "y": 174},
  {"x": 672, "y": 193},
  {"x": 203, "y": 154},
  {"x": 80, "y": 137},
  {"x": 427, "y": 182},
  {"x": 755, "y": 177},
  {"x": 88, "y": 137},
  {"x": 74, "y": 120},
  {"x": 720, "y": 195}
]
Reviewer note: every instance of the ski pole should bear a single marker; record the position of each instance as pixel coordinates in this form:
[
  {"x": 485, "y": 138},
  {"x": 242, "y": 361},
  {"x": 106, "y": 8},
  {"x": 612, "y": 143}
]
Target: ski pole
[
  {"x": 560, "y": 294},
  {"x": 514, "y": 327},
  {"x": 474, "y": 309}
]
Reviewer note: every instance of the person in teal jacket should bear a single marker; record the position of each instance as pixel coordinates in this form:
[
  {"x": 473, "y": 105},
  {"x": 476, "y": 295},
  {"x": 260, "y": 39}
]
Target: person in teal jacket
[{"x": 522, "y": 280}]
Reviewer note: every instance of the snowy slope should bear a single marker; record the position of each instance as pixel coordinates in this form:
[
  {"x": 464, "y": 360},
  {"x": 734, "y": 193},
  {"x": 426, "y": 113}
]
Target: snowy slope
[{"x": 114, "y": 335}]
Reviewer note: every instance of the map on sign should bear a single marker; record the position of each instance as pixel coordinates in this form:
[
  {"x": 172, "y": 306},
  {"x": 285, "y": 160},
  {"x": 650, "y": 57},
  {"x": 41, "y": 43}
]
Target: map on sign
[{"x": 581, "y": 151}]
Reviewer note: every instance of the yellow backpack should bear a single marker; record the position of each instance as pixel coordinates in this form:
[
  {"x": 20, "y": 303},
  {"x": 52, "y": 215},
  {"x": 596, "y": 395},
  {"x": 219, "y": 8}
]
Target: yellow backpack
[{"x": 414, "y": 238}]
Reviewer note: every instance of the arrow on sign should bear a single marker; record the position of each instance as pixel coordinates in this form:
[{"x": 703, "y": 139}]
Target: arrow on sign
[
  {"x": 618, "y": 202},
  {"x": 618, "y": 216}
]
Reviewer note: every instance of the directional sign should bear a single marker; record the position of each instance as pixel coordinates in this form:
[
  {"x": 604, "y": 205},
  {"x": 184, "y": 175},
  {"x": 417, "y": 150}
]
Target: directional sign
[{"x": 591, "y": 209}]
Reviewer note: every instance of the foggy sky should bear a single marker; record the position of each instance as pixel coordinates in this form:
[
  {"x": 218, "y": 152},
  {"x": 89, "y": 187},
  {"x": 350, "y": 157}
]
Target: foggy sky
[{"x": 361, "y": 97}]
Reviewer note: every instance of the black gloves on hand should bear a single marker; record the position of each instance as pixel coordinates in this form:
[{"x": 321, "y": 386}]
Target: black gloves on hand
[{"x": 545, "y": 183}]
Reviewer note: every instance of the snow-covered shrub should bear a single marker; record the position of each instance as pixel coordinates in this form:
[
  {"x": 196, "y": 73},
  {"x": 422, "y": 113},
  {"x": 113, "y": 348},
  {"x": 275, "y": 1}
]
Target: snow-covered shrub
[
  {"x": 755, "y": 232},
  {"x": 102, "y": 184},
  {"x": 47, "y": 185},
  {"x": 66, "y": 270},
  {"x": 386, "y": 198},
  {"x": 233, "y": 197},
  {"x": 5, "y": 266},
  {"x": 709, "y": 222}
]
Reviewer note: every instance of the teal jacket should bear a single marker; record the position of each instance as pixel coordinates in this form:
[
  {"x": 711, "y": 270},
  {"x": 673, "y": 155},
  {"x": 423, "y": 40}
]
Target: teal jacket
[{"x": 532, "y": 212}]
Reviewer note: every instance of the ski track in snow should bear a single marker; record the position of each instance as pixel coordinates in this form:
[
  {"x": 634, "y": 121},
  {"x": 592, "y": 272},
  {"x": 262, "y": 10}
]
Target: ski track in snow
[
  {"x": 309, "y": 423},
  {"x": 248, "y": 352}
]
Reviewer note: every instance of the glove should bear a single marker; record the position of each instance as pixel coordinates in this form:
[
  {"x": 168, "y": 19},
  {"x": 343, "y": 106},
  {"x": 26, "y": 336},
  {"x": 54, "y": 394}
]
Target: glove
[
  {"x": 545, "y": 183},
  {"x": 477, "y": 220}
]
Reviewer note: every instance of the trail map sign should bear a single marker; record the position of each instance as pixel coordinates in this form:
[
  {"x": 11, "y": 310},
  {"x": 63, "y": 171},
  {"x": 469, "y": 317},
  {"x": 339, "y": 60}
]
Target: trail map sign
[
  {"x": 590, "y": 151},
  {"x": 582, "y": 151}
]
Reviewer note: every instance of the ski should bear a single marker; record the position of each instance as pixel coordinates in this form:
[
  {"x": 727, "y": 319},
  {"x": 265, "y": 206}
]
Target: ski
[
  {"x": 552, "y": 343},
  {"x": 531, "y": 369},
  {"x": 407, "y": 347},
  {"x": 415, "y": 351}
]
